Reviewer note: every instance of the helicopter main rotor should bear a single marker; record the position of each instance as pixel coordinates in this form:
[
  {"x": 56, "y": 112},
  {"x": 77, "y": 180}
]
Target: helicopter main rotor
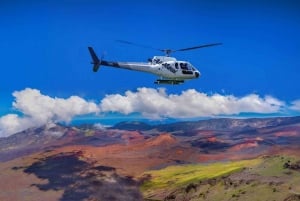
[{"x": 169, "y": 51}]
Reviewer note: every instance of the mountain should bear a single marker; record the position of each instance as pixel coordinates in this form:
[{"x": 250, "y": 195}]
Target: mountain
[
  {"x": 58, "y": 162},
  {"x": 132, "y": 125},
  {"x": 211, "y": 124}
]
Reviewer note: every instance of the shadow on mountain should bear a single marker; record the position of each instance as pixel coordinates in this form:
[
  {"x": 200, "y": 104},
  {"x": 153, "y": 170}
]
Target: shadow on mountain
[
  {"x": 81, "y": 180},
  {"x": 209, "y": 147}
]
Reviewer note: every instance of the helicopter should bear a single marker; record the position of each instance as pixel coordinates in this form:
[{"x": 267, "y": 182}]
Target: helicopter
[{"x": 167, "y": 68}]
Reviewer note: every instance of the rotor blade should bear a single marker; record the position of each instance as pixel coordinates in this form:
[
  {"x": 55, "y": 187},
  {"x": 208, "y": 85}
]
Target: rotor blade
[
  {"x": 196, "y": 47},
  {"x": 136, "y": 44}
]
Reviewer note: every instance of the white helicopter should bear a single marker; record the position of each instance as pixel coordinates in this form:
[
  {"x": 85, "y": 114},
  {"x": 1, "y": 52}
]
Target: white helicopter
[{"x": 170, "y": 70}]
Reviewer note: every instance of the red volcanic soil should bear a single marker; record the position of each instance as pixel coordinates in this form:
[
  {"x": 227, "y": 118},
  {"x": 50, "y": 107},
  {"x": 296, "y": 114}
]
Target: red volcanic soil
[
  {"x": 248, "y": 149},
  {"x": 86, "y": 158},
  {"x": 132, "y": 136},
  {"x": 244, "y": 145},
  {"x": 52, "y": 176},
  {"x": 212, "y": 139},
  {"x": 136, "y": 157},
  {"x": 290, "y": 133},
  {"x": 161, "y": 140},
  {"x": 62, "y": 170}
]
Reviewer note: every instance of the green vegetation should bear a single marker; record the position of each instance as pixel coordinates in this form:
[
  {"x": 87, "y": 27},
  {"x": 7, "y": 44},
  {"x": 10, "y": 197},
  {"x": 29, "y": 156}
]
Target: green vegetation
[
  {"x": 264, "y": 178},
  {"x": 273, "y": 166},
  {"x": 177, "y": 176}
]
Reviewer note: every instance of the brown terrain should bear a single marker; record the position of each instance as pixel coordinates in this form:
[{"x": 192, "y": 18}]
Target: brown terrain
[{"x": 57, "y": 162}]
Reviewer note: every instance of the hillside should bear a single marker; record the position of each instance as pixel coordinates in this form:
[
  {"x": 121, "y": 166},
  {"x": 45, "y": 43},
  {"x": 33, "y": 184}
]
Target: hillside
[
  {"x": 238, "y": 158},
  {"x": 264, "y": 178}
]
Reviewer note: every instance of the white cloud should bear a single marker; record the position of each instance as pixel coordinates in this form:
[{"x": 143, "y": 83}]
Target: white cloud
[
  {"x": 44, "y": 108},
  {"x": 295, "y": 105},
  {"x": 39, "y": 109},
  {"x": 12, "y": 123},
  {"x": 156, "y": 103},
  {"x": 100, "y": 126}
]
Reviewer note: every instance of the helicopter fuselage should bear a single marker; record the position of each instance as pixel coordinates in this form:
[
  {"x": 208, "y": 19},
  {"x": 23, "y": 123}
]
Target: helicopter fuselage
[
  {"x": 165, "y": 67},
  {"x": 169, "y": 70}
]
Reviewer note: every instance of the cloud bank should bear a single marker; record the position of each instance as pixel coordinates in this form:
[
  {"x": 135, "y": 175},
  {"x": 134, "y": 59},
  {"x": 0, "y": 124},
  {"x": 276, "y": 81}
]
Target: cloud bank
[
  {"x": 153, "y": 103},
  {"x": 37, "y": 109},
  {"x": 295, "y": 105}
]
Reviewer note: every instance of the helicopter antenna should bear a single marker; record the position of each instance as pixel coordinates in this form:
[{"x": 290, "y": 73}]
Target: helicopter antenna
[{"x": 169, "y": 51}]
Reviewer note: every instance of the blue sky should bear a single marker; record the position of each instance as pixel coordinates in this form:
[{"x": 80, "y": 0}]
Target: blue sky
[{"x": 44, "y": 47}]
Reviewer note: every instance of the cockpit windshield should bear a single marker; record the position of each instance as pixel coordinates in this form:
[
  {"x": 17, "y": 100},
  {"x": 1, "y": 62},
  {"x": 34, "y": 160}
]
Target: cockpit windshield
[{"x": 186, "y": 66}]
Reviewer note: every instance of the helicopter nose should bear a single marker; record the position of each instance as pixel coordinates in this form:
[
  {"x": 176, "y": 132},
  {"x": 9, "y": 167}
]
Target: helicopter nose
[{"x": 197, "y": 74}]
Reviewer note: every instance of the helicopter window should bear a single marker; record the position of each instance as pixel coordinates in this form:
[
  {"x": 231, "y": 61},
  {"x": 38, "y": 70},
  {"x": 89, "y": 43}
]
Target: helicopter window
[
  {"x": 183, "y": 66},
  {"x": 176, "y": 65}
]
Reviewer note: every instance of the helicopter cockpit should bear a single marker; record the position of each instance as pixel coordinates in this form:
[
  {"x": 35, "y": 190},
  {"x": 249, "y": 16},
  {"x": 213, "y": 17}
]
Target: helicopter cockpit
[{"x": 184, "y": 66}]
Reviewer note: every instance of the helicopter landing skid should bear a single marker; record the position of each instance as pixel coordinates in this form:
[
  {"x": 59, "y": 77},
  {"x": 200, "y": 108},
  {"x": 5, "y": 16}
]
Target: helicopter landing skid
[{"x": 165, "y": 81}]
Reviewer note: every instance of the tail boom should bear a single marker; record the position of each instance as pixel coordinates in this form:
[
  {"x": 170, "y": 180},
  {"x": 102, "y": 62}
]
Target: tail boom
[{"x": 96, "y": 61}]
